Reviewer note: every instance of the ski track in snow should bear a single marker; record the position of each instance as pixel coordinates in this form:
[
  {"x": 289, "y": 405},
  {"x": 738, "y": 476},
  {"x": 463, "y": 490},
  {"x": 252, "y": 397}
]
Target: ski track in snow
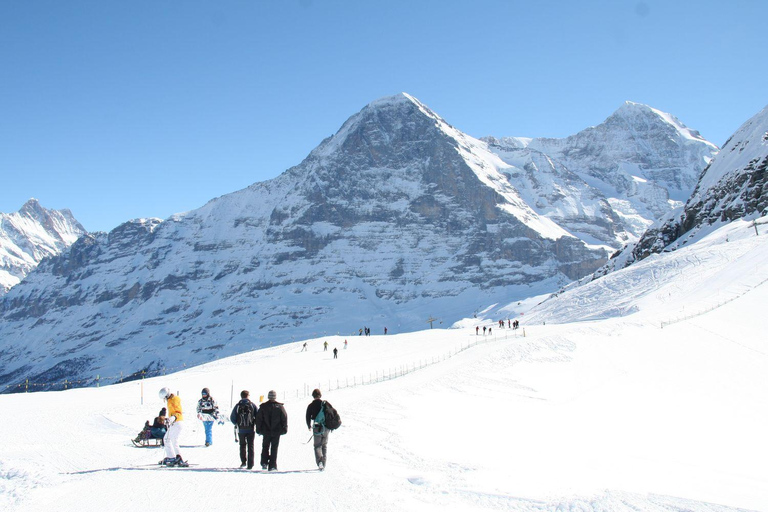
[{"x": 610, "y": 414}]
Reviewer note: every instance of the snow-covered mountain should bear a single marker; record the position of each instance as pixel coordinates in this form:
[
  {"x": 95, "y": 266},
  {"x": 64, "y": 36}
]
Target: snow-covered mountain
[
  {"x": 615, "y": 414},
  {"x": 396, "y": 218},
  {"x": 734, "y": 186},
  {"x": 31, "y": 234},
  {"x": 612, "y": 181}
]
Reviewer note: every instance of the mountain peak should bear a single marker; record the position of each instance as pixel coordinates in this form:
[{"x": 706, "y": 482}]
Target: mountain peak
[
  {"x": 382, "y": 119},
  {"x": 634, "y": 114},
  {"x": 32, "y": 207},
  {"x": 395, "y": 99}
]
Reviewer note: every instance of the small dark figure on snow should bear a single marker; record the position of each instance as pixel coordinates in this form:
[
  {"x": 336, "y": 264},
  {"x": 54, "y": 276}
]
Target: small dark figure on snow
[
  {"x": 271, "y": 423},
  {"x": 335, "y": 353}
]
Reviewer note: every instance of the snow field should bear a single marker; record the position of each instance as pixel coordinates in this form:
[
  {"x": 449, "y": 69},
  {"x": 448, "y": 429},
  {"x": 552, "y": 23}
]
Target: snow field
[{"x": 613, "y": 413}]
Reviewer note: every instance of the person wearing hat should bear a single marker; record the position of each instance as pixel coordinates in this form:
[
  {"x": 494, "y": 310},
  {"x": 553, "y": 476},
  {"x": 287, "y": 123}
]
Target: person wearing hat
[
  {"x": 271, "y": 423},
  {"x": 175, "y": 420},
  {"x": 207, "y": 412}
]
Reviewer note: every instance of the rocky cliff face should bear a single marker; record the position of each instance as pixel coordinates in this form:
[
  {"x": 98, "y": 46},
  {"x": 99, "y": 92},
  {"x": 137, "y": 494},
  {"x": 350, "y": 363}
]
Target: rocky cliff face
[
  {"x": 733, "y": 186},
  {"x": 397, "y": 217},
  {"x": 28, "y": 236}
]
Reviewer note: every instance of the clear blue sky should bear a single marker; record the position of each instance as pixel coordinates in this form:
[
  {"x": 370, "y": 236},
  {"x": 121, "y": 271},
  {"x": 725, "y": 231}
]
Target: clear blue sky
[{"x": 145, "y": 108}]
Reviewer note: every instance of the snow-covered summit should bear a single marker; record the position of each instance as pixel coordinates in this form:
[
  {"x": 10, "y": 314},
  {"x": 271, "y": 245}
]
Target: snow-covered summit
[
  {"x": 734, "y": 186},
  {"x": 634, "y": 114},
  {"x": 31, "y": 234}
]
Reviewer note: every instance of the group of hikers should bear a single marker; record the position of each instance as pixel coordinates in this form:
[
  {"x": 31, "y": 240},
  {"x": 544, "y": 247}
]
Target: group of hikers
[
  {"x": 325, "y": 348},
  {"x": 489, "y": 330},
  {"x": 268, "y": 420},
  {"x": 367, "y": 331}
]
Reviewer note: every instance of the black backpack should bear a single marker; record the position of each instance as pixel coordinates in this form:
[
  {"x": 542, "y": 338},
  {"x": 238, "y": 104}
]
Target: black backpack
[
  {"x": 331, "y": 419},
  {"x": 245, "y": 418}
]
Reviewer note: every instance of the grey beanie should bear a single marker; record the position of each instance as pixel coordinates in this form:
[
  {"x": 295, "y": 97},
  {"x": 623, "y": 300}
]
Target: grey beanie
[{"x": 272, "y": 395}]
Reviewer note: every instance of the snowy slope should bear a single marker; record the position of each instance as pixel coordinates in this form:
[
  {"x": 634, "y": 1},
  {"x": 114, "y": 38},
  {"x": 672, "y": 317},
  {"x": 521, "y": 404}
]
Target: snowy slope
[
  {"x": 609, "y": 414},
  {"x": 29, "y": 235}
]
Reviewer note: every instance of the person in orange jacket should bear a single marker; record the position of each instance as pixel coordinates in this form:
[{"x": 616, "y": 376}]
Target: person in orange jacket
[{"x": 175, "y": 421}]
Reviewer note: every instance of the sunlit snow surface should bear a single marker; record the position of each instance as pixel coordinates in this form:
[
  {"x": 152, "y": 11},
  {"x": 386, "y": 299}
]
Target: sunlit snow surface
[{"x": 599, "y": 409}]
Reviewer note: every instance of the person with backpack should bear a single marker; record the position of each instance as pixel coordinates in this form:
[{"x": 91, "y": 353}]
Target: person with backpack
[
  {"x": 175, "y": 421},
  {"x": 244, "y": 418},
  {"x": 325, "y": 419},
  {"x": 271, "y": 423},
  {"x": 207, "y": 412}
]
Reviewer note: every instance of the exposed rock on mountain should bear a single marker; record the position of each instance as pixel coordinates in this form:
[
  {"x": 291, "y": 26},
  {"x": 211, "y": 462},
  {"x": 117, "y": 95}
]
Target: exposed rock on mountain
[
  {"x": 611, "y": 181},
  {"x": 734, "y": 186},
  {"x": 395, "y": 218},
  {"x": 29, "y": 235}
]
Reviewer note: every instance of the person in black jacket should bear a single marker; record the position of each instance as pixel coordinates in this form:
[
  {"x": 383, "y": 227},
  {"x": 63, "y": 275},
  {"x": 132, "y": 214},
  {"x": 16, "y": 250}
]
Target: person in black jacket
[
  {"x": 244, "y": 417},
  {"x": 271, "y": 423},
  {"x": 319, "y": 432}
]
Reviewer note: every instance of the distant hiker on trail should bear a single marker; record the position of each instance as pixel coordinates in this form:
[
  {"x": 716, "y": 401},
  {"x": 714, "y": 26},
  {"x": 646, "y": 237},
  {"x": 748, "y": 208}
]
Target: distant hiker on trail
[
  {"x": 175, "y": 421},
  {"x": 345, "y": 344},
  {"x": 477, "y": 330},
  {"x": 325, "y": 346},
  {"x": 335, "y": 353},
  {"x": 319, "y": 432},
  {"x": 243, "y": 416},
  {"x": 207, "y": 412},
  {"x": 304, "y": 347},
  {"x": 490, "y": 329},
  {"x": 271, "y": 423},
  {"x": 385, "y": 330},
  {"x": 484, "y": 329}
]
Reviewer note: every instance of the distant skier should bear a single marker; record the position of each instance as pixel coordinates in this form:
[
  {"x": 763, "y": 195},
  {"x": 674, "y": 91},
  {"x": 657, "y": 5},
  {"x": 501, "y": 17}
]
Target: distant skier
[
  {"x": 175, "y": 421},
  {"x": 244, "y": 417},
  {"x": 385, "y": 330},
  {"x": 325, "y": 346},
  {"x": 271, "y": 423},
  {"x": 477, "y": 330},
  {"x": 207, "y": 412},
  {"x": 345, "y": 344},
  {"x": 335, "y": 353},
  {"x": 304, "y": 347}
]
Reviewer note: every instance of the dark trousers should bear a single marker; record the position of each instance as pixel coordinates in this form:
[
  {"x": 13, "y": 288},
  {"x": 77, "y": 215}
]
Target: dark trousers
[
  {"x": 246, "y": 442},
  {"x": 269, "y": 450}
]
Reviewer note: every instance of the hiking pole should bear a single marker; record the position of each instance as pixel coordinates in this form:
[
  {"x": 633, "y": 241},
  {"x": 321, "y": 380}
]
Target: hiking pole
[
  {"x": 310, "y": 438},
  {"x": 236, "y": 439}
]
